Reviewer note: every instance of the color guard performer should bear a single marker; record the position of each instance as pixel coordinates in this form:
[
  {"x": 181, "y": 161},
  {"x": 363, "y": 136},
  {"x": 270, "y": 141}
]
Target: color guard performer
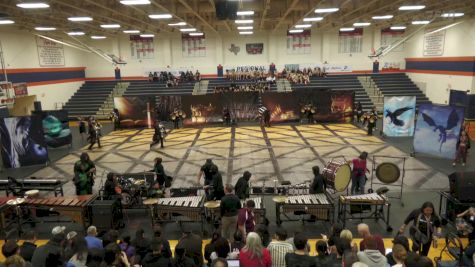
[
  {"x": 84, "y": 170},
  {"x": 158, "y": 135},
  {"x": 358, "y": 175}
]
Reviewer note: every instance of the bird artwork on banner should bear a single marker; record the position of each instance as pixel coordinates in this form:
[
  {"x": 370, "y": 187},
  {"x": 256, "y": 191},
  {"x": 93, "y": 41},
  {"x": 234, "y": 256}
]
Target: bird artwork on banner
[
  {"x": 444, "y": 131},
  {"x": 393, "y": 116}
]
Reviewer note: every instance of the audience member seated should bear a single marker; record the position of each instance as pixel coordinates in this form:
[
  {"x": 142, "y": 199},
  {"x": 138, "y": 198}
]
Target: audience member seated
[
  {"x": 342, "y": 246},
  {"x": 415, "y": 260},
  {"x": 469, "y": 254},
  {"x": 299, "y": 256},
  {"x": 141, "y": 243},
  {"x": 10, "y": 249},
  {"x": 219, "y": 262},
  {"x": 222, "y": 249},
  {"x": 91, "y": 238},
  {"x": 181, "y": 260},
  {"x": 54, "y": 245},
  {"x": 210, "y": 247},
  {"x": 155, "y": 257},
  {"x": 335, "y": 232},
  {"x": 255, "y": 87},
  {"x": 279, "y": 248},
  {"x": 363, "y": 231},
  {"x": 371, "y": 255},
  {"x": 16, "y": 261},
  {"x": 193, "y": 246},
  {"x": 237, "y": 243},
  {"x": 79, "y": 252},
  {"x": 298, "y": 78},
  {"x": 54, "y": 259},
  {"x": 349, "y": 259},
  {"x": 323, "y": 259},
  {"x": 290, "y": 240},
  {"x": 346, "y": 234},
  {"x": 398, "y": 240},
  {"x": 126, "y": 246},
  {"x": 254, "y": 254},
  {"x": 68, "y": 244},
  {"x": 27, "y": 249},
  {"x": 112, "y": 236},
  {"x": 114, "y": 257},
  {"x": 399, "y": 255},
  {"x": 262, "y": 229},
  {"x": 157, "y": 236}
]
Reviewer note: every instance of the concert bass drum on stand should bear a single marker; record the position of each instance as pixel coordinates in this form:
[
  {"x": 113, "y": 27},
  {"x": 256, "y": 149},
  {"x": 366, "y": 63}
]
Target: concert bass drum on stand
[{"x": 337, "y": 175}]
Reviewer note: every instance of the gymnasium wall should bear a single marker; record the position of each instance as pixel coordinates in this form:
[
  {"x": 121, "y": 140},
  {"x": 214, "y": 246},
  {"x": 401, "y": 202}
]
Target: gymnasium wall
[{"x": 50, "y": 84}]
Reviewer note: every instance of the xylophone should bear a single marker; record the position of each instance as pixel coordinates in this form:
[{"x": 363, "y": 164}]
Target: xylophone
[
  {"x": 320, "y": 206},
  {"x": 5, "y": 209},
  {"x": 349, "y": 206},
  {"x": 12, "y": 186},
  {"x": 191, "y": 207},
  {"x": 75, "y": 207}
]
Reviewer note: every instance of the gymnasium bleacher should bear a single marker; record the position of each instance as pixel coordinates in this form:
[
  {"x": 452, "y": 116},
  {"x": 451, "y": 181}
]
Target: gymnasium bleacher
[
  {"x": 146, "y": 88},
  {"x": 89, "y": 98},
  {"x": 220, "y": 82},
  {"x": 399, "y": 84}
]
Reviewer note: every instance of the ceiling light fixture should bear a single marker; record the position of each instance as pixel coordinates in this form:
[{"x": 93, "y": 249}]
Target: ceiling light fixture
[
  {"x": 361, "y": 24},
  {"x": 303, "y": 26},
  {"x": 383, "y": 17},
  {"x": 395, "y": 28},
  {"x": 160, "y": 16},
  {"x": 245, "y": 27},
  {"x": 313, "y": 19},
  {"x": 350, "y": 29},
  {"x": 452, "y": 15},
  {"x": 296, "y": 31},
  {"x": 6, "y": 21},
  {"x": 245, "y": 13},
  {"x": 177, "y": 24},
  {"x": 243, "y": 21},
  {"x": 188, "y": 30},
  {"x": 97, "y": 37},
  {"x": 420, "y": 22},
  {"x": 135, "y": 2},
  {"x": 417, "y": 7},
  {"x": 148, "y": 35},
  {"x": 326, "y": 10},
  {"x": 110, "y": 26},
  {"x": 45, "y": 28},
  {"x": 76, "y": 33},
  {"x": 32, "y": 5},
  {"x": 131, "y": 31},
  {"x": 196, "y": 34},
  {"x": 76, "y": 19},
  {"x": 246, "y": 33}
]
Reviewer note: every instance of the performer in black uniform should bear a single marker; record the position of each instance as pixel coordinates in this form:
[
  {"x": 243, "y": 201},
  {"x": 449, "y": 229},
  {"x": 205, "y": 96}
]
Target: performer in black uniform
[
  {"x": 208, "y": 174},
  {"x": 372, "y": 121},
  {"x": 159, "y": 134},
  {"x": 266, "y": 116},
  {"x": 115, "y": 119},
  {"x": 242, "y": 186},
  {"x": 94, "y": 134},
  {"x": 84, "y": 170},
  {"x": 359, "y": 112},
  {"x": 216, "y": 187},
  {"x": 111, "y": 191},
  {"x": 160, "y": 172},
  {"x": 226, "y": 117},
  {"x": 318, "y": 185}
]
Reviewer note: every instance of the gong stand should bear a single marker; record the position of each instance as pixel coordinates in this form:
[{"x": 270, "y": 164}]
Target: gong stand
[{"x": 398, "y": 183}]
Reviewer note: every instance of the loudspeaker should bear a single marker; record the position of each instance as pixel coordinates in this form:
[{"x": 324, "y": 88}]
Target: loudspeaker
[
  {"x": 221, "y": 13},
  {"x": 37, "y": 106},
  {"x": 462, "y": 186},
  {"x": 102, "y": 211},
  {"x": 226, "y": 9}
]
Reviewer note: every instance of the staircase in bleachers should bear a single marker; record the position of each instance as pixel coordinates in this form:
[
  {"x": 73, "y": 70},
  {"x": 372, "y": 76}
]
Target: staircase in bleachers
[
  {"x": 89, "y": 98},
  {"x": 146, "y": 88},
  {"x": 399, "y": 84},
  {"x": 222, "y": 82},
  {"x": 340, "y": 82}
]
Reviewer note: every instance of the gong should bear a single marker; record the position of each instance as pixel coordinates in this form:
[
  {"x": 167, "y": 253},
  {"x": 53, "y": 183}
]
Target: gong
[{"x": 388, "y": 172}]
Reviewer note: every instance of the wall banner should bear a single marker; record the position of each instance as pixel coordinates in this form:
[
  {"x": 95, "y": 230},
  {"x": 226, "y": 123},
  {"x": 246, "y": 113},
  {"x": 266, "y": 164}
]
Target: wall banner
[
  {"x": 49, "y": 53},
  {"x": 299, "y": 43},
  {"x": 193, "y": 46},
  {"x": 399, "y": 114},
  {"x": 434, "y": 43},
  {"x": 141, "y": 48}
]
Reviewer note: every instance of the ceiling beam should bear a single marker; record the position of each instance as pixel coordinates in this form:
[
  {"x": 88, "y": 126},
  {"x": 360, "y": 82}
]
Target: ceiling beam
[
  {"x": 213, "y": 5},
  {"x": 198, "y": 16},
  {"x": 287, "y": 12},
  {"x": 264, "y": 13}
]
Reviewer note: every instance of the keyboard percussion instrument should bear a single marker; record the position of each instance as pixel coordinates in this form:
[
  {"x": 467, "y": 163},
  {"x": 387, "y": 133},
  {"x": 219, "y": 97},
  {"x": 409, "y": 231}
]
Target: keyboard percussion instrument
[
  {"x": 19, "y": 186},
  {"x": 319, "y": 206},
  {"x": 372, "y": 198},
  {"x": 190, "y": 207}
]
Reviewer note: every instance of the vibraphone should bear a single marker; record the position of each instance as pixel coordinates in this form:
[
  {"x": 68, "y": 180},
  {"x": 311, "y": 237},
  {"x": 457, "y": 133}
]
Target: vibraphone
[
  {"x": 4, "y": 209},
  {"x": 75, "y": 207},
  {"x": 21, "y": 185},
  {"x": 320, "y": 206},
  {"x": 375, "y": 203},
  {"x": 190, "y": 207}
]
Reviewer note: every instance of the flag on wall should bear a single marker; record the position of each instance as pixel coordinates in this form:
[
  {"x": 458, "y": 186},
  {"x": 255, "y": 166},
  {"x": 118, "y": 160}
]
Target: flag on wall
[
  {"x": 193, "y": 46},
  {"x": 299, "y": 43},
  {"x": 389, "y": 37},
  {"x": 398, "y": 117},
  {"x": 141, "y": 47},
  {"x": 350, "y": 42}
]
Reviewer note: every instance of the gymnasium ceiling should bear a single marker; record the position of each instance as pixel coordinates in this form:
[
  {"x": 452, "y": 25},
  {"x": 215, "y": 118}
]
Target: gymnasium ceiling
[{"x": 270, "y": 15}]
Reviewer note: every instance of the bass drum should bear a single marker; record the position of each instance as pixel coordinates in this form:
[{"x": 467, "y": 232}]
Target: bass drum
[
  {"x": 388, "y": 172},
  {"x": 337, "y": 175},
  {"x": 125, "y": 199}
]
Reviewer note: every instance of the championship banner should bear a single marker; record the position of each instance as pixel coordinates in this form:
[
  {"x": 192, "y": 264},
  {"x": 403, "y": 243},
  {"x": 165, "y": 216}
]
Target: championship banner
[
  {"x": 299, "y": 43},
  {"x": 141, "y": 47},
  {"x": 20, "y": 89},
  {"x": 399, "y": 114},
  {"x": 350, "y": 42},
  {"x": 437, "y": 130},
  {"x": 389, "y": 37},
  {"x": 23, "y": 142},
  {"x": 193, "y": 46},
  {"x": 55, "y": 127},
  {"x": 135, "y": 111},
  {"x": 254, "y": 49}
]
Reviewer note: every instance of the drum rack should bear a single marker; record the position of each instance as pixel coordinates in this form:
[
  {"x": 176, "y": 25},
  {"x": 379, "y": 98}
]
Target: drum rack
[{"x": 398, "y": 184}]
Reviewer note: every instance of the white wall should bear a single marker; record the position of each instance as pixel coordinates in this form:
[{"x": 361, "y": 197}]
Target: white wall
[{"x": 52, "y": 94}]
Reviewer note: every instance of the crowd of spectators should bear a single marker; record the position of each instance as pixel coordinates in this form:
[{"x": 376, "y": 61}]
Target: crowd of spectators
[
  {"x": 302, "y": 76},
  {"x": 254, "y": 87},
  {"x": 172, "y": 80}
]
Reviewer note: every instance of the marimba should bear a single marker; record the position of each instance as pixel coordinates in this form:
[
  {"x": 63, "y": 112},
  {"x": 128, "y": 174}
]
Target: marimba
[
  {"x": 54, "y": 185},
  {"x": 74, "y": 207},
  {"x": 374, "y": 203},
  {"x": 320, "y": 206},
  {"x": 191, "y": 207}
]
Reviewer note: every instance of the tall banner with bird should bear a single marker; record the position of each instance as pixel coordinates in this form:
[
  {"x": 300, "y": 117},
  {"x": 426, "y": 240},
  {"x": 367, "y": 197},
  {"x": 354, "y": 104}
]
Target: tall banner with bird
[
  {"x": 399, "y": 114},
  {"x": 438, "y": 130}
]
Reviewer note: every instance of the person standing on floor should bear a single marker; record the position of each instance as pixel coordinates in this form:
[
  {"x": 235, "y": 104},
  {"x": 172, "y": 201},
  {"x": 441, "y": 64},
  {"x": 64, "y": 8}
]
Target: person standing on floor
[
  {"x": 242, "y": 186},
  {"x": 84, "y": 170},
  {"x": 358, "y": 174},
  {"x": 82, "y": 128},
  {"x": 462, "y": 147},
  {"x": 229, "y": 207}
]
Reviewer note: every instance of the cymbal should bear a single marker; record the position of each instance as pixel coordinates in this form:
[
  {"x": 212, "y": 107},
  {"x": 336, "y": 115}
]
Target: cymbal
[
  {"x": 32, "y": 192},
  {"x": 139, "y": 182},
  {"x": 16, "y": 201},
  {"x": 279, "y": 199},
  {"x": 150, "y": 201},
  {"x": 212, "y": 204}
]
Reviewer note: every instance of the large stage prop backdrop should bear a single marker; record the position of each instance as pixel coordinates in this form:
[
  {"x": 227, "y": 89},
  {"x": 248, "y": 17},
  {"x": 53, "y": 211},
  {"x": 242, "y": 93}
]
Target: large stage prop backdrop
[
  {"x": 55, "y": 127},
  {"x": 438, "y": 130},
  {"x": 23, "y": 106},
  {"x": 165, "y": 105},
  {"x": 23, "y": 142},
  {"x": 282, "y": 106},
  {"x": 399, "y": 114},
  {"x": 135, "y": 111},
  {"x": 242, "y": 106}
]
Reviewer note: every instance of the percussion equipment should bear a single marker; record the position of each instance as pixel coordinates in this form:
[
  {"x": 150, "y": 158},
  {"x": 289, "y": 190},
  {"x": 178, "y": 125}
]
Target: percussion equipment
[
  {"x": 13, "y": 186},
  {"x": 388, "y": 172},
  {"x": 74, "y": 207},
  {"x": 337, "y": 175},
  {"x": 320, "y": 206},
  {"x": 150, "y": 201},
  {"x": 190, "y": 207},
  {"x": 212, "y": 204},
  {"x": 372, "y": 198},
  {"x": 32, "y": 193},
  {"x": 16, "y": 201}
]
